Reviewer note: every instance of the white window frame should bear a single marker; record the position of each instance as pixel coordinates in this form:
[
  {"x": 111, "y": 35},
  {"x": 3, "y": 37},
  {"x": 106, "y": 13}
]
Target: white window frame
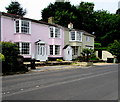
[
  {"x": 87, "y": 38},
  {"x": 54, "y": 32},
  {"x": 20, "y": 48},
  {"x": 54, "y": 50},
  {"x": 20, "y": 25},
  {"x": 76, "y": 36}
]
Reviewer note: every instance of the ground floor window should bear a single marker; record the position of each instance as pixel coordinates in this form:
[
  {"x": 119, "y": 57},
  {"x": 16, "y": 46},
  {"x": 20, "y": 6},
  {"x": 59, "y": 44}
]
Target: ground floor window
[
  {"x": 24, "y": 48},
  {"x": 75, "y": 50},
  {"x": 54, "y": 49}
]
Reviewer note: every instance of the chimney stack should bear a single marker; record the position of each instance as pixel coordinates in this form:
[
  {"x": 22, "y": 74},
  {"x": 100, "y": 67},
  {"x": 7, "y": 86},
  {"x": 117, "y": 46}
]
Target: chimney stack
[
  {"x": 51, "y": 20},
  {"x": 70, "y": 25}
]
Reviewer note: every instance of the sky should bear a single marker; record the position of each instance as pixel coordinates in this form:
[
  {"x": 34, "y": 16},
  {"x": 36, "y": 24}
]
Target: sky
[{"x": 34, "y": 7}]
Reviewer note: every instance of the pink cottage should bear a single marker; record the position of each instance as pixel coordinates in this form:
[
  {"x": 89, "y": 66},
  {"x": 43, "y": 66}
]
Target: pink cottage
[{"x": 36, "y": 39}]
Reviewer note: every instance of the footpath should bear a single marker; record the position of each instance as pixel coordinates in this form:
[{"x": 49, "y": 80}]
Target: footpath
[{"x": 63, "y": 67}]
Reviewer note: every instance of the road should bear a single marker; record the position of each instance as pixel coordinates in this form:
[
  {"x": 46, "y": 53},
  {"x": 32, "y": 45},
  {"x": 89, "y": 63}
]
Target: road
[{"x": 94, "y": 83}]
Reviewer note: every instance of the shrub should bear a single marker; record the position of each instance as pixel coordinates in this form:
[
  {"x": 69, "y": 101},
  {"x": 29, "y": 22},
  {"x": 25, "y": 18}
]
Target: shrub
[
  {"x": 2, "y": 57},
  {"x": 59, "y": 60},
  {"x": 10, "y": 52}
]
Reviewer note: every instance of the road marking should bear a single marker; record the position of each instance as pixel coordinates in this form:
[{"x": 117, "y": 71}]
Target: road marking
[{"x": 59, "y": 83}]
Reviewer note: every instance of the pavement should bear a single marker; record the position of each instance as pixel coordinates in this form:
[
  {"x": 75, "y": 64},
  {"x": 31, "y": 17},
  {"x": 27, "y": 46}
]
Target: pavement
[{"x": 64, "y": 67}]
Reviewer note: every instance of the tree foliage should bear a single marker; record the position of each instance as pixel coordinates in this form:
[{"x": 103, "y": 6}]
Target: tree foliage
[
  {"x": 114, "y": 48},
  {"x": 15, "y": 8},
  {"x": 87, "y": 53},
  {"x": 63, "y": 13},
  {"x": 104, "y": 24}
]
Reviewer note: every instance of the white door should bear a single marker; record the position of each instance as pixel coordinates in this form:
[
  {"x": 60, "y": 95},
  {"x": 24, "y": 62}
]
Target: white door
[
  {"x": 68, "y": 53},
  {"x": 41, "y": 52}
]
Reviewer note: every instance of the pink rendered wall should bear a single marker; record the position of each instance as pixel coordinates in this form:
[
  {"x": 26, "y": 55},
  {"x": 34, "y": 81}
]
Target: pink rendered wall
[
  {"x": 38, "y": 32},
  {"x": 41, "y": 32},
  {"x": 7, "y": 25}
]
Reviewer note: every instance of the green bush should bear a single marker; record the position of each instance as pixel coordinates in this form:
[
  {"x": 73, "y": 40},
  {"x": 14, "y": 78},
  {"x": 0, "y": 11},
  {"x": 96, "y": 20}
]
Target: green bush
[
  {"x": 10, "y": 52},
  {"x": 59, "y": 60},
  {"x": 2, "y": 57}
]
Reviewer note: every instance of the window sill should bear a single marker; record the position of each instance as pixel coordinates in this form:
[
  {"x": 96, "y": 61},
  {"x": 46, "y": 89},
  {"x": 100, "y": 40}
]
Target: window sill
[
  {"x": 22, "y": 33},
  {"x": 54, "y": 38},
  {"x": 74, "y": 41}
]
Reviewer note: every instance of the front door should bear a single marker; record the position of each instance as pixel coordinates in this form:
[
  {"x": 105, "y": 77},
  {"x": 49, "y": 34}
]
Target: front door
[{"x": 41, "y": 52}]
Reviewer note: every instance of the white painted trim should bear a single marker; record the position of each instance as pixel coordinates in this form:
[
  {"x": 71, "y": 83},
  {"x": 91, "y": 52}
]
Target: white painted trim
[
  {"x": 20, "y": 26},
  {"x": 14, "y": 26},
  {"x": 20, "y": 44},
  {"x": 30, "y": 27},
  {"x": 1, "y": 28},
  {"x": 30, "y": 49},
  {"x": 81, "y": 36},
  {"x": 53, "y": 49}
]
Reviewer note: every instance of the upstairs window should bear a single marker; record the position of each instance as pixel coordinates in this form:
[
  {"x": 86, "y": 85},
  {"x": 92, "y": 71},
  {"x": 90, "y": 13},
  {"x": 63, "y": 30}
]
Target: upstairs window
[
  {"x": 25, "y": 27},
  {"x": 51, "y": 33},
  {"x": 79, "y": 36},
  {"x": 22, "y": 26},
  {"x": 54, "y": 32},
  {"x": 17, "y": 26},
  {"x": 57, "y": 33},
  {"x": 75, "y": 36},
  {"x": 87, "y": 38}
]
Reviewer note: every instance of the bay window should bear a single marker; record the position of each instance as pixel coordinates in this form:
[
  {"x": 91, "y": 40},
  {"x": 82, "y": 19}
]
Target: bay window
[{"x": 75, "y": 36}]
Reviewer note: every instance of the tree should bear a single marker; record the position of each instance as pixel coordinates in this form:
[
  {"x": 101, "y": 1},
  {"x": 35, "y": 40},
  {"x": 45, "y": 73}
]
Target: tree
[
  {"x": 86, "y": 11},
  {"x": 63, "y": 13},
  {"x": 114, "y": 48},
  {"x": 14, "y": 8},
  {"x": 87, "y": 53},
  {"x": 105, "y": 25},
  {"x": 118, "y": 11}
]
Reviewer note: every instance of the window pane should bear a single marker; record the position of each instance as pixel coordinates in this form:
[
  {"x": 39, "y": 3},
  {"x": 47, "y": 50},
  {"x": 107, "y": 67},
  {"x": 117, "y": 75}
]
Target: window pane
[
  {"x": 51, "y": 49},
  {"x": 57, "y": 49},
  {"x": 78, "y": 36},
  {"x": 25, "y": 48},
  {"x": 51, "y": 32},
  {"x": 73, "y": 35},
  {"x": 57, "y": 32},
  {"x": 87, "y": 38},
  {"x": 25, "y": 27},
  {"x": 17, "y": 26}
]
